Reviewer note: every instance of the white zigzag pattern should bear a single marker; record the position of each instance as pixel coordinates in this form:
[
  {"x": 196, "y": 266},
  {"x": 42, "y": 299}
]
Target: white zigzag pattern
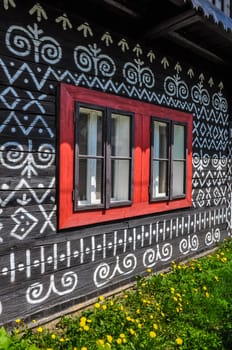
[
  {"x": 22, "y": 185},
  {"x": 26, "y": 130}
]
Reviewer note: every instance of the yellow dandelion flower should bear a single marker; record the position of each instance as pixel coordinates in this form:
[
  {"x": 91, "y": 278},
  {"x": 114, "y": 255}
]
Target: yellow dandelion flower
[
  {"x": 175, "y": 298},
  {"x": 61, "y": 339},
  {"x": 111, "y": 303},
  {"x": 122, "y": 335},
  {"x": 204, "y": 288},
  {"x": 155, "y": 326},
  {"x": 53, "y": 336},
  {"x": 172, "y": 290},
  {"x": 179, "y": 341},
  {"x": 125, "y": 296},
  {"x": 100, "y": 342},
  {"x": 140, "y": 325},
  {"x": 40, "y": 329},
  {"x": 86, "y": 328},
  {"x": 152, "y": 334},
  {"x": 149, "y": 270},
  {"x": 104, "y": 307},
  {"x": 49, "y": 349},
  {"x": 84, "y": 348},
  {"x": 132, "y": 332},
  {"x": 18, "y": 320},
  {"x": 138, "y": 311},
  {"x": 107, "y": 346},
  {"x": 97, "y": 305},
  {"x": 119, "y": 341},
  {"x": 33, "y": 321},
  {"x": 109, "y": 338},
  {"x": 101, "y": 298},
  {"x": 207, "y": 295},
  {"x": 216, "y": 278}
]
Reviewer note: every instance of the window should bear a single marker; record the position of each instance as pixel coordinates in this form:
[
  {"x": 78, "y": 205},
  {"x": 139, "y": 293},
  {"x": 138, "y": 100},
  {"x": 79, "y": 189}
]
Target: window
[
  {"x": 168, "y": 160},
  {"x": 120, "y": 158},
  {"x": 103, "y": 157}
]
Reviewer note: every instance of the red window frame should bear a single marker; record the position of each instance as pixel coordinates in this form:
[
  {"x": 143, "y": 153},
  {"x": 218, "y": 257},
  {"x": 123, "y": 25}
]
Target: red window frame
[{"x": 143, "y": 112}]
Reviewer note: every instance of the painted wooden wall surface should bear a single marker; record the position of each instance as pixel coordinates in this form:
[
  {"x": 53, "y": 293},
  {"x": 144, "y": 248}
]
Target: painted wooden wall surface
[{"x": 43, "y": 270}]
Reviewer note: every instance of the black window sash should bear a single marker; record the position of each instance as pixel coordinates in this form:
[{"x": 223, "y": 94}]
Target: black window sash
[
  {"x": 153, "y": 159},
  {"x": 79, "y": 156},
  {"x": 110, "y": 157},
  {"x": 170, "y": 160},
  {"x": 106, "y": 159},
  {"x": 184, "y": 160}
]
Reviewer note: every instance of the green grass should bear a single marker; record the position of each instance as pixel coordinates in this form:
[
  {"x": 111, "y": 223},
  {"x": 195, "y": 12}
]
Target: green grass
[{"x": 189, "y": 308}]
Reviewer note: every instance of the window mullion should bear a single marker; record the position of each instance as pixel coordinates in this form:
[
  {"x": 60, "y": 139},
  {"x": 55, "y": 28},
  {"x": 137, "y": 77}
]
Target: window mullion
[
  {"x": 170, "y": 162},
  {"x": 107, "y": 148}
]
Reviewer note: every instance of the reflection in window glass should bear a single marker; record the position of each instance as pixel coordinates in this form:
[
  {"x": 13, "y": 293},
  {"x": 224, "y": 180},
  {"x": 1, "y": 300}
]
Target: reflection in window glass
[
  {"x": 178, "y": 160},
  {"x": 90, "y": 156},
  {"x": 160, "y": 160},
  {"x": 120, "y": 157}
]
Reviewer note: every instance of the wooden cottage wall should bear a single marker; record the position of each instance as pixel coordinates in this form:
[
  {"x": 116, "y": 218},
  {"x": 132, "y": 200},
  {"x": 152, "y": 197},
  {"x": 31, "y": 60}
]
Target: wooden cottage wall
[{"x": 42, "y": 269}]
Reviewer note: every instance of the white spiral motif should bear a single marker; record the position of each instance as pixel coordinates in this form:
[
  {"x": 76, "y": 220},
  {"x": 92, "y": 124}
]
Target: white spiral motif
[
  {"x": 68, "y": 281},
  {"x": 101, "y": 275},
  {"x": 219, "y": 102},
  {"x": 36, "y": 292},
  {"x": 14, "y": 154},
  {"x": 21, "y": 41},
  {"x": 50, "y": 51},
  {"x": 175, "y": 87},
  {"x": 20, "y": 44},
  {"x": 106, "y": 66},
  {"x": 166, "y": 252},
  {"x": 130, "y": 74},
  {"x": 200, "y": 95},
  {"x": 135, "y": 74},
  {"x": 129, "y": 263},
  {"x": 46, "y": 154},
  {"x": 212, "y": 237},
  {"x": 87, "y": 59},
  {"x": 149, "y": 258},
  {"x": 191, "y": 243},
  {"x": 194, "y": 243},
  {"x": 83, "y": 59}
]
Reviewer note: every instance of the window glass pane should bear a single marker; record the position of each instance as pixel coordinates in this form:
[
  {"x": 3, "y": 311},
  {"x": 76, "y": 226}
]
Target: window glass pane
[
  {"x": 120, "y": 135},
  {"x": 120, "y": 180},
  {"x": 160, "y": 183},
  {"x": 90, "y": 131},
  {"x": 90, "y": 181},
  {"x": 178, "y": 178},
  {"x": 179, "y": 149},
  {"x": 160, "y": 141}
]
